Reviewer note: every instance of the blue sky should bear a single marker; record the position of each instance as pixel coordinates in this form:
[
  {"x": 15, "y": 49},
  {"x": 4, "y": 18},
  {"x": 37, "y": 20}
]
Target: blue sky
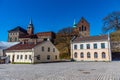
[{"x": 53, "y": 15}]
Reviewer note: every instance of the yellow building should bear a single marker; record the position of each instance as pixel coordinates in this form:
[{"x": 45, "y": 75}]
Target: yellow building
[
  {"x": 33, "y": 53},
  {"x": 92, "y": 48}
]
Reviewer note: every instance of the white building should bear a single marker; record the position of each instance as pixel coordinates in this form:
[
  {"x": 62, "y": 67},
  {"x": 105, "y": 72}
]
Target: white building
[
  {"x": 33, "y": 53},
  {"x": 93, "y": 48}
]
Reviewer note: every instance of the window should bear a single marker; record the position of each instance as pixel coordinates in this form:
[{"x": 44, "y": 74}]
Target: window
[
  {"x": 55, "y": 56},
  {"x": 10, "y": 39},
  {"x": 79, "y": 28},
  {"x": 82, "y": 28},
  {"x": 82, "y": 55},
  {"x": 75, "y": 46},
  {"x": 95, "y": 55},
  {"x": 48, "y": 57},
  {"x": 88, "y": 46},
  {"x": 88, "y": 55},
  {"x": 103, "y": 55},
  {"x": 95, "y": 46},
  {"x": 81, "y": 46},
  {"x": 75, "y": 54},
  {"x": 15, "y": 39},
  {"x": 48, "y": 49},
  {"x": 38, "y": 57},
  {"x": 17, "y": 56},
  {"x": 21, "y": 56},
  {"x": 102, "y": 45},
  {"x": 53, "y": 49},
  {"x": 25, "y": 56},
  {"x": 30, "y": 57},
  {"x": 85, "y": 28},
  {"x": 42, "y": 49}
]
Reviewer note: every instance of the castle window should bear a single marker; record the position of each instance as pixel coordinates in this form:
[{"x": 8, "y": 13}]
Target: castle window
[
  {"x": 38, "y": 57},
  {"x": 95, "y": 55},
  {"x": 21, "y": 56},
  {"x": 82, "y": 28},
  {"x": 103, "y": 55},
  {"x": 75, "y": 54},
  {"x": 30, "y": 57},
  {"x": 102, "y": 45},
  {"x": 53, "y": 49},
  {"x": 88, "y": 46},
  {"x": 55, "y": 56},
  {"x": 88, "y": 55},
  {"x": 10, "y": 39},
  {"x": 81, "y": 46},
  {"x": 25, "y": 56},
  {"x": 48, "y": 49},
  {"x": 82, "y": 55},
  {"x": 17, "y": 56},
  {"x": 75, "y": 46},
  {"x": 79, "y": 28},
  {"x": 95, "y": 46},
  {"x": 48, "y": 57},
  {"x": 42, "y": 49},
  {"x": 15, "y": 39}
]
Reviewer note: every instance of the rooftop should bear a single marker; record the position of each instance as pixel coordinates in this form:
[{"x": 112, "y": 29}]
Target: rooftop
[
  {"x": 17, "y": 29},
  {"x": 91, "y": 38},
  {"x": 23, "y": 46}
]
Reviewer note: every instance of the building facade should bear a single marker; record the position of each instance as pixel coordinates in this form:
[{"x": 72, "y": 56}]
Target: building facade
[
  {"x": 82, "y": 28},
  {"x": 93, "y": 48},
  {"x": 19, "y": 34},
  {"x": 33, "y": 53}
]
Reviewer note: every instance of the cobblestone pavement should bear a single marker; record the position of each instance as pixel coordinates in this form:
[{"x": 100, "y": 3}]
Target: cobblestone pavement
[{"x": 61, "y": 71}]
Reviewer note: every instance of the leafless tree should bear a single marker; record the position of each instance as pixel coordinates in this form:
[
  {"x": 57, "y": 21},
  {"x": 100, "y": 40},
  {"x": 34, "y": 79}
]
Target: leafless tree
[{"x": 111, "y": 22}]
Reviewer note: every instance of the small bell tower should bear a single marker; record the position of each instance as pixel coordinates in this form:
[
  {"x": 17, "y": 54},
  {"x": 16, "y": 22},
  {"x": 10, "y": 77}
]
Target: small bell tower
[{"x": 30, "y": 28}]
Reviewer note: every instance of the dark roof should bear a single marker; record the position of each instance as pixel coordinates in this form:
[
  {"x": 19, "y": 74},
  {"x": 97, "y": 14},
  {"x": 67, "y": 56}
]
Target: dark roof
[
  {"x": 29, "y": 36},
  {"x": 17, "y": 29},
  {"x": 23, "y": 46},
  {"x": 91, "y": 38},
  {"x": 45, "y": 33}
]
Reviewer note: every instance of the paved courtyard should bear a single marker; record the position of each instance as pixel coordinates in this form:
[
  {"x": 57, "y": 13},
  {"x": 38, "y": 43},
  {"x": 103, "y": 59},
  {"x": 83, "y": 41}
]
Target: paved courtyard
[{"x": 61, "y": 71}]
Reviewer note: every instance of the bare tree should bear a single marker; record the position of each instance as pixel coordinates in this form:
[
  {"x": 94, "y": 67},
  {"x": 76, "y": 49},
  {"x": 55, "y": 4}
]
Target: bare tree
[
  {"x": 111, "y": 22},
  {"x": 63, "y": 38}
]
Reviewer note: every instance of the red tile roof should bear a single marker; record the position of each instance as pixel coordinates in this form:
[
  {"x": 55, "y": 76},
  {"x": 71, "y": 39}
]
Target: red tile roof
[
  {"x": 91, "y": 38},
  {"x": 23, "y": 46}
]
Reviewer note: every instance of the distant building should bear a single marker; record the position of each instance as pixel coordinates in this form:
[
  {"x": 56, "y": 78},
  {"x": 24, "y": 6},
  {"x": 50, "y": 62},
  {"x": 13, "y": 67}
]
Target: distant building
[
  {"x": 82, "y": 28},
  {"x": 19, "y": 34},
  {"x": 33, "y": 53},
  {"x": 3, "y": 46},
  {"x": 91, "y": 48}
]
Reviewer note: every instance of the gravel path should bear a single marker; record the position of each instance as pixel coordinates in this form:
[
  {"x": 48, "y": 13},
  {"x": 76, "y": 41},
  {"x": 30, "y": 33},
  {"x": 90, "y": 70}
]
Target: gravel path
[{"x": 61, "y": 71}]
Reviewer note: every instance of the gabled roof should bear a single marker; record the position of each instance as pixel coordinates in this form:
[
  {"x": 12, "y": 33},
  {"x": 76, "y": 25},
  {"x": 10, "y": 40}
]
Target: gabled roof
[
  {"x": 23, "y": 46},
  {"x": 83, "y": 19},
  {"x": 91, "y": 38},
  {"x": 17, "y": 29}
]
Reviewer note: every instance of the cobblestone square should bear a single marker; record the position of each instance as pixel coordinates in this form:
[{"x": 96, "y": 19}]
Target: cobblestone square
[{"x": 61, "y": 71}]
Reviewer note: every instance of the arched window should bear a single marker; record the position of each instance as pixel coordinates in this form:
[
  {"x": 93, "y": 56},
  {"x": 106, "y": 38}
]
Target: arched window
[
  {"x": 103, "y": 55},
  {"x": 88, "y": 55},
  {"x": 85, "y": 29},
  {"x": 82, "y": 28},
  {"x": 95, "y": 55},
  {"x": 75, "y": 54},
  {"x": 82, "y": 55}
]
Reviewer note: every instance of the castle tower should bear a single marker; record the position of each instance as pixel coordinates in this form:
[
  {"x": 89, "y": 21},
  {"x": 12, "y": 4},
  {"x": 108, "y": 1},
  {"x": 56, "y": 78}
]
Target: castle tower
[
  {"x": 30, "y": 28},
  {"x": 83, "y": 28}
]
